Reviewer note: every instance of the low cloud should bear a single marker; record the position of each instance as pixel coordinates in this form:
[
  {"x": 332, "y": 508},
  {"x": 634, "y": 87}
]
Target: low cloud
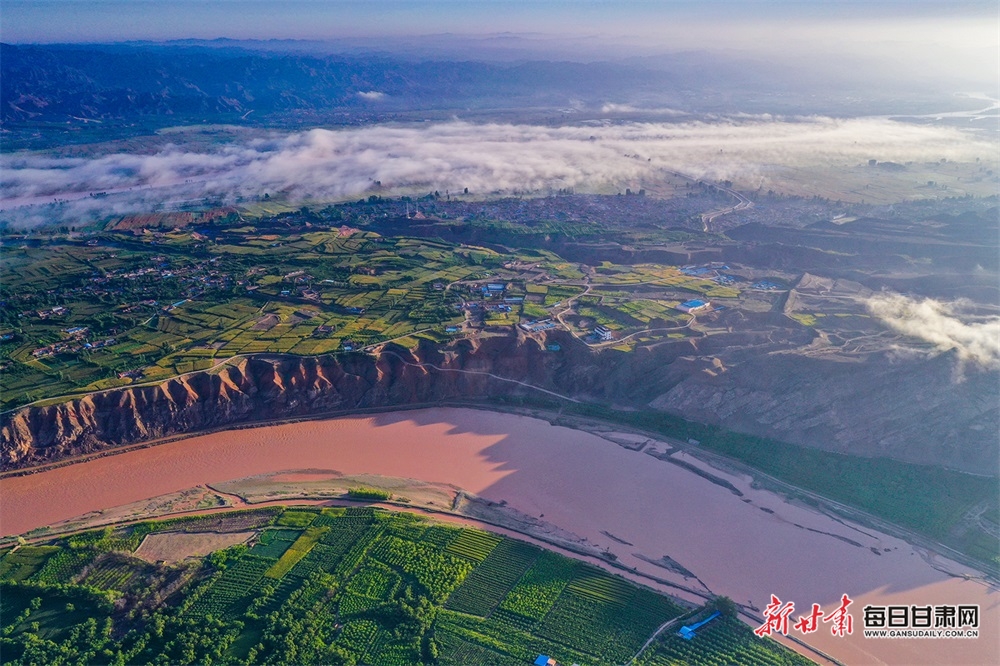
[
  {"x": 371, "y": 95},
  {"x": 612, "y": 108},
  {"x": 947, "y": 326},
  {"x": 329, "y": 164}
]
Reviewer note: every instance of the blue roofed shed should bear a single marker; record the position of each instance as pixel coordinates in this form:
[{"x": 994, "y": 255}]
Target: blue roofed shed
[
  {"x": 688, "y": 632},
  {"x": 692, "y": 306}
]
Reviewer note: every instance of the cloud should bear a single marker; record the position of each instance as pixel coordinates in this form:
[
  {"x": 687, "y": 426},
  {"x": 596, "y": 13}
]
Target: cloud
[
  {"x": 371, "y": 95},
  {"x": 613, "y": 108},
  {"x": 329, "y": 164},
  {"x": 947, "y": 326}
]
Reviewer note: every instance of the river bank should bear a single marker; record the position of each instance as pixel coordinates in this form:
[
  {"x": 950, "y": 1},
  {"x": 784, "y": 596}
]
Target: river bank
[{"x": 732, "y": 538}]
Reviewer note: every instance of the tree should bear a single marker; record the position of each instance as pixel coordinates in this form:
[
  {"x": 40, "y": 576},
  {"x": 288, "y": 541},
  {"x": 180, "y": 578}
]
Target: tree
[{"x": 726, "y": 606}]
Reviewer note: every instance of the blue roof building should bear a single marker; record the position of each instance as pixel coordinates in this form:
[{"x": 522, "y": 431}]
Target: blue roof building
[
  {"x": 692, "y": 305},
  {"x": 688, "y": 632}
]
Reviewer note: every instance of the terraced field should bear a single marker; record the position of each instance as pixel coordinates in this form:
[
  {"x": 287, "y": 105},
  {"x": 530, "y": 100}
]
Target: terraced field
[{"x": 127, "y": 308}]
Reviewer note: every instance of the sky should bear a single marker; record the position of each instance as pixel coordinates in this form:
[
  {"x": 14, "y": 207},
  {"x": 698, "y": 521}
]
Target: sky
[
  {"x": 958, "y": 37},
  {"x": 711, "y": 22}
]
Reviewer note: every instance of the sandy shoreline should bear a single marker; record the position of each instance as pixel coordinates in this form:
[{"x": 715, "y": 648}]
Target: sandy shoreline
[{"x": 746, "y": 547}]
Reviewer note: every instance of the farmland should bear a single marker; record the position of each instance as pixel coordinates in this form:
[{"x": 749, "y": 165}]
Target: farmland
[
  {"x": 115, "y": 307},
  {"x": 355, "y": 585},
  {"x": 107, "y": 307},
  {"x": 723, "y": 641}
]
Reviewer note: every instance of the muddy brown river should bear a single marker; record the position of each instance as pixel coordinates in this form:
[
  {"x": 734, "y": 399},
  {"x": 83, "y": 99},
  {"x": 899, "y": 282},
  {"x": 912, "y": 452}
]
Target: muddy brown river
[{"x": 747, "y": 548}]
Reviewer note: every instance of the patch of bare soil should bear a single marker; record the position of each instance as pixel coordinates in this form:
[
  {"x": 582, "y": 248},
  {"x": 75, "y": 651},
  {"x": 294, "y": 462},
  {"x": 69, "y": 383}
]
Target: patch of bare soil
[{"x": 171, "y": 547}]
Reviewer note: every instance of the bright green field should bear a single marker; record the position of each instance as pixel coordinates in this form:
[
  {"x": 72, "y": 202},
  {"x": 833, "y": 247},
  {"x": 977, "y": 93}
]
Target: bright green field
[{"x": 355, "y": 586}]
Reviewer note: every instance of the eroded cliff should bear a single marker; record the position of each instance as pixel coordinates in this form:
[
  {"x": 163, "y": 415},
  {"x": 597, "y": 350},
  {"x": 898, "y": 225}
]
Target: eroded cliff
[
  {"x": 268, "y": 387},
  {"x": 753, "y": 382}
]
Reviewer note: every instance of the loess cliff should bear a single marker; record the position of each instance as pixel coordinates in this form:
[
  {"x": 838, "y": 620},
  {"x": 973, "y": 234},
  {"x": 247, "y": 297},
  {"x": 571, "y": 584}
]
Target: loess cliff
[
  {"x": 268, "y": 387},
  {"x": 756, "y": 381}
]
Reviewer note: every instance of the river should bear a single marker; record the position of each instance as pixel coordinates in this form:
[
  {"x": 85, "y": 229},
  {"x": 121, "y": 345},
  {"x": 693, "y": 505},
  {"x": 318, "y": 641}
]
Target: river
[{"x": 747, "y": 547}]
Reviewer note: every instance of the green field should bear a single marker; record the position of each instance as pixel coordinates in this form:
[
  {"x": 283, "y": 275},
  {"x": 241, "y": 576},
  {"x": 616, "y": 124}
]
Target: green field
[
  {"x": 82, "y": 318},
  {"x": 134, "y": 308},
  {"x": 722, "y": 641},
  {"x": 357, "y": 586}
]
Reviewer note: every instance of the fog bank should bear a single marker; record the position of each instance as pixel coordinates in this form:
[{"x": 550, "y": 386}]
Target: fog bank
[{"x": 325, "y": 164}]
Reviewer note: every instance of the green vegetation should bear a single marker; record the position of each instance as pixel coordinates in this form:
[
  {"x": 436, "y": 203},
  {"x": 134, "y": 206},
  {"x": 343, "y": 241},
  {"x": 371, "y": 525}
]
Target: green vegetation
[
  {"x": 299, "y": 549},
  {"x": 492, "y": 580},
  {"x": 474, "y": 544},
  {"x": 356, "y": 586},
  {"x": 369, "y": 493},
  {"x": 296, "y": 519},
  {"x": 132, "y": 308},
  {"x": 540, "y": 587},
  {"x": 724, "y": 640},
  {"x": 274, "y": 543},
  {"x": 81, "y": 318},
  {"x": 24, "y": 562}
]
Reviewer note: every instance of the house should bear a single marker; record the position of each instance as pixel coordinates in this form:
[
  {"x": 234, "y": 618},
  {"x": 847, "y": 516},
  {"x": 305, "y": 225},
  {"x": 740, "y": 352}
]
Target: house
[
  {"x": 694, "y": 306},
  {"x": 545, "y": 660},
  {"x": 604, "y": 333}
]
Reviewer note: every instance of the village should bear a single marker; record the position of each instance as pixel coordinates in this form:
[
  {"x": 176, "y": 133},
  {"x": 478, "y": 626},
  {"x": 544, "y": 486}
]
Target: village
[{"x": 138, "y": 305}]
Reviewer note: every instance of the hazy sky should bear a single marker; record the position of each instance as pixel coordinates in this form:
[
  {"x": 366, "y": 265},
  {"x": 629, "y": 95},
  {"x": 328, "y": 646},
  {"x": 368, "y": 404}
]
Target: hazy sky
[
  {"x": 957, "y": 39},
  {"x": 714, "y": 21}
]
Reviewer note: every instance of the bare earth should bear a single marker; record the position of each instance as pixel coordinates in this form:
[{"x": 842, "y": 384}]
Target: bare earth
[
  {"x": 745, "y": 547},
  {"x": 173, "y": 547}
]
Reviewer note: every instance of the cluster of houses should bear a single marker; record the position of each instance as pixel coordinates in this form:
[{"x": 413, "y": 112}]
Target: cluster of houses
[
  {"x": 495, "y": 291},
  {"x": 711, "y": 271},
  {"x": 537, "y": 326},
  {"x": 201, "y": 276},
  {"x": 704, "y": 269},
  {"x": 146, "y": 303},
  {"x": 57, "y": 311},
  {"x": 74, "y": 343}
]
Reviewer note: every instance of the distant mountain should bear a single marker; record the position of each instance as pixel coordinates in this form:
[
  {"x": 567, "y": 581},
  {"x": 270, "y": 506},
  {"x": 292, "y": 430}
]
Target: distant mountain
[
  {"x": 49, "y": 93},
  {"x": 45, "y": 83}
]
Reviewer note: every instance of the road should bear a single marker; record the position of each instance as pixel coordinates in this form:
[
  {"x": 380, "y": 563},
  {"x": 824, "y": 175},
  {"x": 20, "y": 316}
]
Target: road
[
  {"x": 475, "y": 372},
  {"x": 663, "y": 627},
  {"x": 742, "y": 204}
]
